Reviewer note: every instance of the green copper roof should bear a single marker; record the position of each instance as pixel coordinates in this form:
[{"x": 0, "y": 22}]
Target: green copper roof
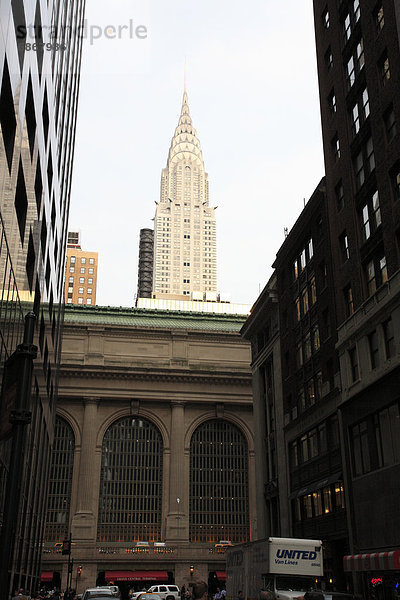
[{"x": 142, "y": 317}]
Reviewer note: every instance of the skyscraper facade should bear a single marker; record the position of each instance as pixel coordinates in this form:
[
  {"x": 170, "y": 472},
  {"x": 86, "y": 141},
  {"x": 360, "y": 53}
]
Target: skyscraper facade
[
  {"x": 185, "y": 261},
  {"x": 40, "y": 53}
]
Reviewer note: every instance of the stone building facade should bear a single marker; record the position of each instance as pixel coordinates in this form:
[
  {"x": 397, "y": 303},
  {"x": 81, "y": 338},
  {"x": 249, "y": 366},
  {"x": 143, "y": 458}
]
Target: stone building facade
[{"x": 153, "y": 461}]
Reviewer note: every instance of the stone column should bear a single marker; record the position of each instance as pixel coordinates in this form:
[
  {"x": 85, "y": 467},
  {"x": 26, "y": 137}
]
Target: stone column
[
  {"x": 84, "y": 520},
  {"x": 177, "y": 518}
]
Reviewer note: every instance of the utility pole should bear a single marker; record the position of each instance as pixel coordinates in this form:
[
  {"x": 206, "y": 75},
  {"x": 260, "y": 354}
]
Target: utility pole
[{"x": 15, "y": 404}]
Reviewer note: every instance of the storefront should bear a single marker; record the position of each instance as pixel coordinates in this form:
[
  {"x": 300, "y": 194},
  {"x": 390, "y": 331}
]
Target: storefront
[{"x": 379, "y": 573}]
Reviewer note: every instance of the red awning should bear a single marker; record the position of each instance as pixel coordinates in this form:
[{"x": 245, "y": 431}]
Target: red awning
[
  {"x": 136, "y": 576},
  {"x": 46, "y": 576},
  {"x": 378, "y": 561},
  {"x": 221, "y": 575}
]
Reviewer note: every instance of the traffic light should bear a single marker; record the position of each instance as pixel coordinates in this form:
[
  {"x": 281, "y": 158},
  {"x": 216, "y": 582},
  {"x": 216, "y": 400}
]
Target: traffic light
[
  {"x": 79, "y": 571},
  {"x": 191, "y": 569},
  {"x": 66, "y": 547}
]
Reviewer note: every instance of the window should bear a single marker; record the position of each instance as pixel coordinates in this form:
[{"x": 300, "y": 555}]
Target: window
[
  {"x": 336, "y": 147},
  {"x": 91, "y": 271},
  {"x": 327, "y": 494},
  {"x": 370, "y": 277},
  {"x": 90, "y": 280},
  {"x": 72, "y": 269},
  {"x": 383, "y": 276},
  {"x": 355, "y": 119},
  {"x": 356, "y": 10},
  {"x": 315, "y": 338},
  {"x": 89, "y": 291},
  {"x": 297, "y": 309},
  {"x": 91, "y": 261},
  {"x": 390, "y": 124},
  {"x": 359, "y": 169},
  {"x": 304, "y": 301},
  {"x": 370, "y": 155},
  {"x": 339, "y": 192},
  {"x": 354, "y": 370},
  {"x": 73, "y": 260},
  {"x": 332, "y": 103},
  {"x": 384, "y": 68},
  {"x": 82, "y": 269},
  {"x": 80, "y": 291},
  {"x": 376, "y": 209},
  {"x": 307, "y": 346},
  {"x": 379, "y": 17},
  {"x": 347, "y": 27},
  {"x": 365, "y": 226},
  {"x": 351, "y": 74},
  {"x": 344, "y": 247},
  {"x": 71, "y": 280},
  {"x": 339, "y": 495},
  {"x": 299, "y": 355},
  {"x": 83, "y": 260},
  {"x": 328, "y": 58},
  {"x": 365, "y": 103},
  {"x": 395, "y": 177},
  {"x": 373, "y": 349},
  {"x": 325, "y": 18},
  {"x": 313, "y": 291},
  {"x": 326, "y": 331},
  {"x": 310, "y": 249},
  {"x": 81, "y": 280},
  {"x": 89, "y": 301},
  {"x": 80, "y": 300},
  {"x": 360, "y": 448},
  {"x": 387, "y": 430},
  {"x": 69, "y": 301},
  {"x": 303, "y": 259},
  {"x": 388, "y": 336},
  {"x": 323, "y": 271},
  {"x": 360, "y": 55}
]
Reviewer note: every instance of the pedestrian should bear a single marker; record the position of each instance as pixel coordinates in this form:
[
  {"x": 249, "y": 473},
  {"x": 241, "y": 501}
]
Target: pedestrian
[
  {"x": 183, "y": 591},
  {"x": 240, "y": 595},
  {"x": 200, "y": 590},
  {"x": 217, "y": 595}
]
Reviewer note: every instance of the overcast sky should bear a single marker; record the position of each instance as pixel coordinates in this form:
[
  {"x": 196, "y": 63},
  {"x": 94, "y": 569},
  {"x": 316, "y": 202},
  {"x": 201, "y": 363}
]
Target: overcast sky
[{"x": 253, "y": 97}]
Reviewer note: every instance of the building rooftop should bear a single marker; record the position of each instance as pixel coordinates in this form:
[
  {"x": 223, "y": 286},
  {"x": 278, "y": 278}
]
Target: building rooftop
[{"x": 165, "y": 319}]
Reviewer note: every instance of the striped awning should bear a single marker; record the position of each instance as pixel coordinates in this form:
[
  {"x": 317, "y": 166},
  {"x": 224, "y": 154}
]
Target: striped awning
[{"x": 378, "y": 561}]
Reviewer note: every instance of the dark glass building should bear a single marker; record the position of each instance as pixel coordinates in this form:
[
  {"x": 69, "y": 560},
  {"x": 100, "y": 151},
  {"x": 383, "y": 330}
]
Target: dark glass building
[{"x": 39, "y": 74}]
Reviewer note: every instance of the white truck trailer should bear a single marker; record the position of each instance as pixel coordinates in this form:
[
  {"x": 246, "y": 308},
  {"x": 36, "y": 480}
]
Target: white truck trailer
[{"x": 273, "y": 569}]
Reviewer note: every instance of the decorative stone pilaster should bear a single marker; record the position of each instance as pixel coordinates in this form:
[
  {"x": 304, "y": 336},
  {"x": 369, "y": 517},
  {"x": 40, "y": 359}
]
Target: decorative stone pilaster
[
  {"x": 84, "y": 520},
  {"x": 177, "y": 518}
]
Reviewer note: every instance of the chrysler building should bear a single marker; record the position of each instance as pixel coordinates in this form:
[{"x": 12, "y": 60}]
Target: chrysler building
[{"x": 185, "y": 262}]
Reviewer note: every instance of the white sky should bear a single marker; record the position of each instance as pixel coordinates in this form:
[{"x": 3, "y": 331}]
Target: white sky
[{"x": 253, "y": 98}]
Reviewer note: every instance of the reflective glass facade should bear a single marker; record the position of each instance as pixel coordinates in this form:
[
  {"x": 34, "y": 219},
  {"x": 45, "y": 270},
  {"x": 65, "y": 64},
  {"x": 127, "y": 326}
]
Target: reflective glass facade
[{"x": 40, "y": 55}]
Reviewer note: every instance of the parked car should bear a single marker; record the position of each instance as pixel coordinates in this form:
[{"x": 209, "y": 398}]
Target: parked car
[
  {"x": 148, "y": 596},
  {"x": 113, "y": 588},
  {"x": 99, "y": 593},
  {"x": 135, "y": 595},
  {"x": 166, "y": 592}
]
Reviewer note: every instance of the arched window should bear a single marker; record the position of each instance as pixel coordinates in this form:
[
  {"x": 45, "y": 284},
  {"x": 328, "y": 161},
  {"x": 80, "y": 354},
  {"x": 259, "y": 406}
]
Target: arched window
[
  {"x": 130, "y": 482},
  {"x": 219, "y": 506},
  {"x": 60, "y": 482}
]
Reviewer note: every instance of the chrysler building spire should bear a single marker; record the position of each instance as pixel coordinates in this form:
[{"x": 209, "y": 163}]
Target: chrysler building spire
[{"x": 184, "y": 224}]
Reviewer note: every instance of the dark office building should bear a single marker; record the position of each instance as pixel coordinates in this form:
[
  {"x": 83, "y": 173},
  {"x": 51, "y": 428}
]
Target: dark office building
[
  {"x": 358, "y": 52},
  {"x": 295, "y": 389},
  {"x": 145, "y": 270},
  {"x": 39, "y": 74}
]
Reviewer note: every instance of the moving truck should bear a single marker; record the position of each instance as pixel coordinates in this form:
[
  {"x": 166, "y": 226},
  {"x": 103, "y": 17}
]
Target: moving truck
[{"x": 273, "y": 569}]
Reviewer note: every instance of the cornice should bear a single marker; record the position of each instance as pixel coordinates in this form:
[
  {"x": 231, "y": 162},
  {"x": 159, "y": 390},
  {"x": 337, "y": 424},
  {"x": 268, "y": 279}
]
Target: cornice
[{"x": 180, "y": 376}]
